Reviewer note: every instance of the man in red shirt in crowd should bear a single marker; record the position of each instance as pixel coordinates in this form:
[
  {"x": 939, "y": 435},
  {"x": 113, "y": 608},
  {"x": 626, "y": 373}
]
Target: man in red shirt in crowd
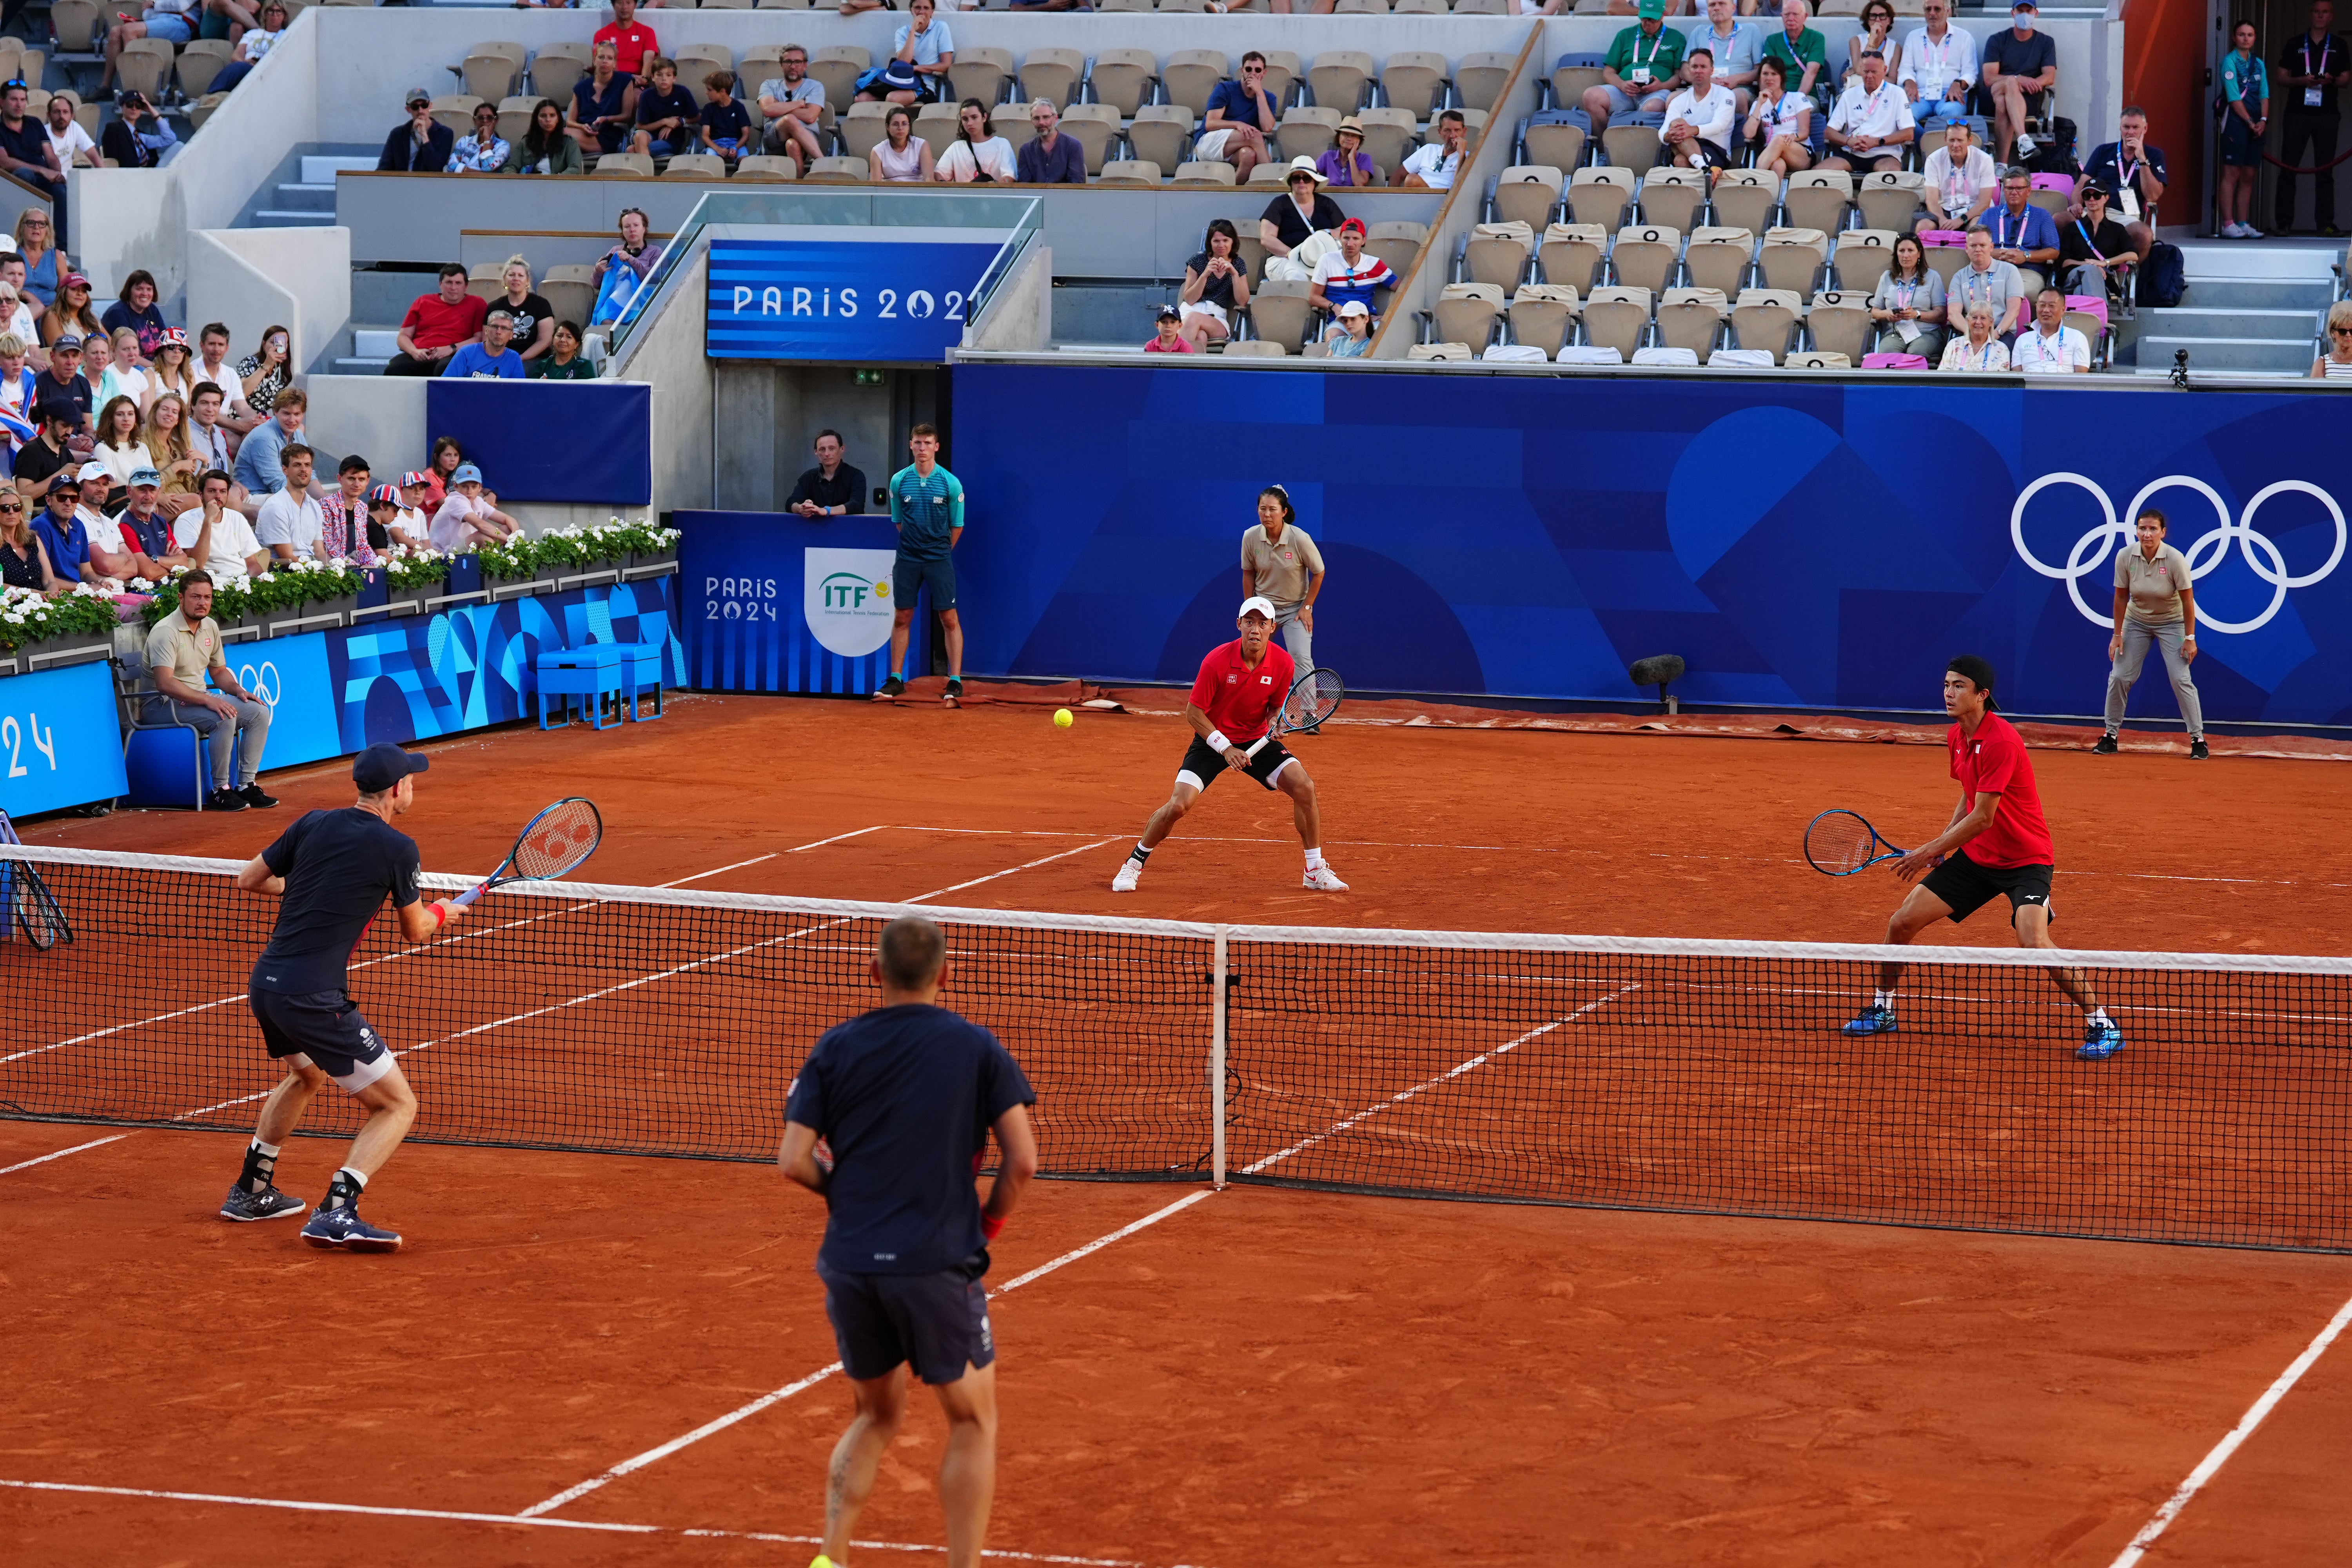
[
  {"x": 1242, "y": 685},
  {"x": 437, "y": 326},
  {"x": 631, "y": 39},
  {"x": 2004, "y": 848}
]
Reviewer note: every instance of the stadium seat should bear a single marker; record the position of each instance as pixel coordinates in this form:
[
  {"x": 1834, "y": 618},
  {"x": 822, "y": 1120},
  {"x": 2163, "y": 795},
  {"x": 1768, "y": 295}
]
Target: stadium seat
[
  {"x": 1283, "y": 72},
  {"x": 1012, "y": 121},
  {"x": 1199, "y": 174},
  {"x": 1814, "y": 360},
  {"x": 1339, "y": 78},
  {"x": 1440, "y": 352},
  {"x": 1189, "y": 5},
  {"x": 1600, "y": 194},
  {"x": 1645, "y": 256},
  {"x": 485, "y": 280},
  {"x": 1480, "y": 9},
  {"x": 1793, "y": 259},
  {"x": 1413, "y": 79},
  {"x": 695, "y": 166},
  {"x": 726, "y": 4},
  {"x": 1765, "y": 321},
  {"x": 1743, "y": 198},
  {"x": 1719, "y": 258},
  {"x": 1360, "y": 8},
  {"x": 1616, "y": 318},
  {"x": 1123, "y": 5},
  {"x": 1528, "y": 194},
  {"x": 1839, "y": 324},
  {"x": 1306, "y": 131},
  {"x": 837, "y": 171},
  {"x": 1466, "y": 314},
  {"x": 1478, "y": 78},
  {"x": 1252, "y": 250},
  {"x": 1190, "y": 76},
  {"x": 74, "y": 22},
  {"x": 1130, "y": 172},
  {"x": 1096, "y": 128},
  {"x": 1543, "y": 315},
  {"x": 1572, "y": 76},
  {"x": 145, "y": 66},
  {"x": 1256, "y": 348},
  {"x": 1498, "y": 253},
  {"x": 766, "y": 166},
  {"x": 1864, "y": 256},
  {"x": 781, "y": 5},
  {"x": 1279, "y": 312},
  {"x": 1422, "y": 7},
  {"x": 937, "y": 123},
  {"x": 491, "y": 70},
  {"x": 1053, "y": 75},
  {"x": 837, "y": 68},
  {"x": 981, "y": 73},
  {"x": 514, "y": 117},
  {"x": 557, "y": 67},
  {"x": 1397, "y": 242},
  {"x": 1559, "y": 142},
  {"x": 1818, "y": 199},
  {"x": 1123, "y": 78},
  {"x": 1162, "y": 133},
  {"x": 1673, "y": 197},
  {"x": 625, "y": 166},
  {"x": 696, "y": 61},
  {"x": 1631, "y": 141},
  {"x": 1891, "y": 198},
  {"x": 455, "y": 111},
  {"x": 1386, "y": 135},
  {"x": 1946, "y": 259},
  {"x": 1690, "y": 318},
  {"x": 1572, "y": 254},
  {"x": 863, "y": 128},
  {"x": 1267, "y": 176},
  {"x": 569, "y": 289}
]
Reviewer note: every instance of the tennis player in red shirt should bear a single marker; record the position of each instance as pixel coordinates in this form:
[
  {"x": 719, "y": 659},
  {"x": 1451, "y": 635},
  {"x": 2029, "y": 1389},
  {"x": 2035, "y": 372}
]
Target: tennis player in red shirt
[
  {"x": 2004, "y": 848},
  {"x": 1241, "y": 687}
]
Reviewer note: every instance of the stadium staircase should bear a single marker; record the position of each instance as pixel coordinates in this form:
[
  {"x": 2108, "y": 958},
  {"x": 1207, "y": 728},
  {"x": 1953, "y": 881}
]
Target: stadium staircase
[{"x": 2253, "y": 309}]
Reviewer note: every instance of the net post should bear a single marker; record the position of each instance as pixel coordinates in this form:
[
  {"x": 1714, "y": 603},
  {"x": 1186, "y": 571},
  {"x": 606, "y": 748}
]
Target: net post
[{"x": 1217, "y": 1062}]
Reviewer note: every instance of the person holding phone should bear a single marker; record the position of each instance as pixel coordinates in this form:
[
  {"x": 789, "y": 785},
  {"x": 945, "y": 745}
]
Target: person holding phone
[
  {"x": 625, "y": 267},
  {"x": 1215, "y": 286}
]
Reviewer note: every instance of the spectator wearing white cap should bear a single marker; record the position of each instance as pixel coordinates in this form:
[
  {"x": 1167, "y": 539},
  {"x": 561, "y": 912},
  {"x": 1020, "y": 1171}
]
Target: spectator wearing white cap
[
  {"x": 1170, "y": 338},
  {"x": 1281, "y": 565},
  {"x": 1436, "y": 165},
  {"x": 466, "y": 518},
  {"x": 290, "y": 523},
  {"x": 110, "y": 558},
  {"x": 421, "y": 145},
  {"x": 1350, "y": 334},
  {"x": 1291, "y": 220}
]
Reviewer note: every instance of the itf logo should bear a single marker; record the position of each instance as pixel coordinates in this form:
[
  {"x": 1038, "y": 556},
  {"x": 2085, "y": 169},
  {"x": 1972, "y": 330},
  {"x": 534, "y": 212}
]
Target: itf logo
[{"x": 847, "y": 599}]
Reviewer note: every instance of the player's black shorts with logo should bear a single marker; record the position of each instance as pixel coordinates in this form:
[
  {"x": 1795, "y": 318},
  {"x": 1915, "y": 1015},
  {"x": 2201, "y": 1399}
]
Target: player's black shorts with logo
[
  {"x": 1205, "y": 765},
  {"x": 324, "y": 1025},
  {"x": 1967, "y": 887},
  {"x": 936, "y": 1323}
]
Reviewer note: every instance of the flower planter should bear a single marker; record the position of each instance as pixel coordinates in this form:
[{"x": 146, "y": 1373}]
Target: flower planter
[
  {"x": 80, "y": 647},
  {"x": 651, "y": 563},
  {"x": 411, "y": 601},
  {"x": 595, "y": 576},
  {"x": 317, "y": 616},
  {"x": 8, "y": 664},
  {"x": 504, "y": 588}
]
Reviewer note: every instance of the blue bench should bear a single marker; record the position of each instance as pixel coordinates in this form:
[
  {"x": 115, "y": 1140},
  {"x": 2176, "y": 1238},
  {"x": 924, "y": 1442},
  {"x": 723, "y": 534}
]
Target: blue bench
[{"x": 593, "y": 672}]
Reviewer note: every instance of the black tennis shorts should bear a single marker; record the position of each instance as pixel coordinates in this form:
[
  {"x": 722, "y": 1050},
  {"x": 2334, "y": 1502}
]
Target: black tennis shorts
[
  {"x": 1202, "y": 766},
  {"x": 1968, "y": 887},
  {"x": 908, "y": 574},
  {"x": 937, "y": 1323},
  {"x": 324, "y": 1026}
]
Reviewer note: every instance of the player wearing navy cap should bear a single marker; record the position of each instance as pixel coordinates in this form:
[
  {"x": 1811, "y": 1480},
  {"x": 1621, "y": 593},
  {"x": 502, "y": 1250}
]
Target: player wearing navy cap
[
  {"x": 332, "y": 871},
  {"x": 1241, "y": 687}
]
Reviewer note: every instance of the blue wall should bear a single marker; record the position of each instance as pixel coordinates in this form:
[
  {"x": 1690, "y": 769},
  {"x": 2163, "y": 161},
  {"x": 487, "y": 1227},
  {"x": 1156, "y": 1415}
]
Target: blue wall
[{"x": 1801, "y": 544}]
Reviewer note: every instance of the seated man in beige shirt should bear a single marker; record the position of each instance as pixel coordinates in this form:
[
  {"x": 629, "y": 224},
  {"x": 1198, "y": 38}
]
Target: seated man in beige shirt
[
  {"x": 1280, "y": 563},
  {"x": 183, "y": 646}
]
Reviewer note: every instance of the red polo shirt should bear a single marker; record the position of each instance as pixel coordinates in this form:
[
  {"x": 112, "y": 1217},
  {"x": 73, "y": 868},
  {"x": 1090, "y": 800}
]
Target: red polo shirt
[
  {"x": 1238, "y": 699},
  {"x": 434, "y": 323},
  {"x": 631, "y": 45},
  {"x": 1993, "y": 760}
]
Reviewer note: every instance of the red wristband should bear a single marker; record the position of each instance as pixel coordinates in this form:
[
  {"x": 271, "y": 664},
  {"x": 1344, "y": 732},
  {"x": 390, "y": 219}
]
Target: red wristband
[
  {"x": 991, "y": 1226},
  {"x": 440, "y": 913}
]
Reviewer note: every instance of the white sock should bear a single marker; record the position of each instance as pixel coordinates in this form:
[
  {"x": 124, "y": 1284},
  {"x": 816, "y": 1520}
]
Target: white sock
[
  {"x": 1314, "y": 858},
  {"x": 2098, "y": 1015},
  {"x": 358, "y": 1180},
  {"x": 266, "y": 1151},
  {"x": 1881, "y": 998}
]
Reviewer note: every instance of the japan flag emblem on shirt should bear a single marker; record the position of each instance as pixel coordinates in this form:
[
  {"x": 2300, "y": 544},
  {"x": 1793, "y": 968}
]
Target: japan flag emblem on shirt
[{"x": 1265, "y": 680}]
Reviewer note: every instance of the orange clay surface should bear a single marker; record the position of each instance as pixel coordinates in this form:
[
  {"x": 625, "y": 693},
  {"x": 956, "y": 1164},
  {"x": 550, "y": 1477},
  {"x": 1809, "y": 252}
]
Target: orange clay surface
[{"x": 1263, "y": 1376}]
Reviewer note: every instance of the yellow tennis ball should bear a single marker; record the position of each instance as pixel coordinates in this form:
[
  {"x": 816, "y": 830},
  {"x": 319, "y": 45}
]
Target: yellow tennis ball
[{"x": 1062, "y": 720}]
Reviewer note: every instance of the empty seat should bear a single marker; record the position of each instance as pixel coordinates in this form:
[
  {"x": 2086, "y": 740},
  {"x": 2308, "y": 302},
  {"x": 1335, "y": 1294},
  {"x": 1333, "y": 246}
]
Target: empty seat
[
  {"x": 1269, "y": 176},
  {"x": 1572, "y": 75},
  {"x": 1498, "y": 253},
  {"x": 1863, "y": 258},
  {"x": 1162, "y": 133},
  {"x": 1440, "y": 352},
  {"x": 1205, "y": 174},
  {"x": 1124, "y": 78},
  {"x": 1256, "y": 348},
  {"x": 624, "y": 166},
  {"x": 1673, "y": 197},
  {"x": 1891, "y": 198},
  {"x": 557, "y": 67},
  {"x": 1466, "y": 314},
  {"x": 863, "y": 127},
  {"x": 1690, "y": 318},
  {"x": 1012, "y": 121},
  {"x": 1096, "y": 126},
  {"x": 1765, "y": 321},
  {"x": 1422, "y": 7},
  {"x": 1306, "y": 131},
  {"x": 200, "y": 62},
  {"x": 1528, "y": 193},
  {"x": 1190, "y": 76},
  {"x": 837, "y": 68},
  {"x": 1543, "y": 316},
  {"x": 1572, "y": 254},
  {"x": 980, "y": 73},
  {"x": 490, "y": 72},
  {"x": 455, "y": 111},
  {"x": 1397, "y": 242},
  {"x": 1719, "y": 258},
  {"x": 937, "y": 123},
  {"x": 1598, "y": 193},
  {"x": 1130, "y": 172},
  {"x": 1361, "y": 9},
  {"x": 838, "y": 171},
  {"x": 1743, "y": 198},
  {"x": 1616, "y": 318},
  {"x": 1631, "y": 141},
  {"x": 1279, "y": 310},
  {"x": 1413, "y": 79},
  {"x": 485, "y": 280},
  {"x": 696, "y": 61},
  {"x": 1478, "y": 78},
  {"x": 1386, "y": 133},
  {"x": 765, "y": 166},
  {"x": 1841, "y": 324},
  {"x": 1282, "y": 71},
  {"x": 1338, "y": 80},
  {"x": 1645, "y": 256},
  {"x": 74, "y": 22},
  {"x": 514, "y": 117},
  {"x": 1947, "y": 260},
  {"x": 1813, "y": 360},
  {"x": 1817, "y": 198},
  {"x": 144, "y": 66},
  {"x": 1559, "y": 142},
  {"x": 1793, "y": 259},
  {"x": 1053, "y": 75},
  {"x": 695, "y": 166}
]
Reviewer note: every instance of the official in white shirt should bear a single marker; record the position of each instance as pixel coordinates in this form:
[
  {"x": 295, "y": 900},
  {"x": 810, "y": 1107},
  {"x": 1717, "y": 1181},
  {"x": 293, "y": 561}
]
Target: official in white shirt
[
  {"x": 1939, "y": 65},
  {"x": 1870, "y": 123},
  {"x": 1697, "y": 132},
  {"x": 2051, "y": 347},
  {"x": 1962, "y": 181},
  {"x": 1438, "y": 164}
]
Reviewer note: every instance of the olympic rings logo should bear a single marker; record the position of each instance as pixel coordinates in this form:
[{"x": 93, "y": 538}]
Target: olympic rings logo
[
  {"x": 2090, "y": 551},
  {"x": 263, "y": 683}
]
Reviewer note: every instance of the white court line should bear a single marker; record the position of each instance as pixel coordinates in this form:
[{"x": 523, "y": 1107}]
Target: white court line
[
  {"x": 45, "y": 1159},
  {"x": 456, "y": 1515},
  {"x": 2212, "y": 1462},
  {"x": 1025, "y": 866},
  {"x": 837, "y": 837},
  {"x": 655, "y": 1455}
]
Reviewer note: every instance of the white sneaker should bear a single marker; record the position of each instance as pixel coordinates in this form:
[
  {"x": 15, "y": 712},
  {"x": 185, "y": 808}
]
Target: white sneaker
[
  {"x": 2232, "y": 231},
  {"x": 1323, "y": 879},
  {"x": 2248, "y": 231},
  {"x": 1129, "y": 873},
  {"x": 2023, "y": 150}
]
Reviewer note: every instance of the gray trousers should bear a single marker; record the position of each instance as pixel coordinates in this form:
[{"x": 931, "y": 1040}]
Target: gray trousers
[
  {"x": 1296, "y": 637},
  {"x": 252, "y": 724},
  {"x": 2167, "y": 636}
]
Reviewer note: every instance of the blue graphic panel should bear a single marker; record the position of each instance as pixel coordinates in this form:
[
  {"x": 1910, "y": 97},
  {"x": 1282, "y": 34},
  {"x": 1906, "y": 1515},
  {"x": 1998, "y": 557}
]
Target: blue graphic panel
[
  {"x": 289, "y": 674},
  {"x": 752, "y": 581},
  {"x": 833, "y": 300},
  {"x": 60, "y": 744}
]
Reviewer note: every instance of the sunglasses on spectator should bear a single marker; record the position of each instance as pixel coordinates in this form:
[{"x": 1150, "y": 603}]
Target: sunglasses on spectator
[
  {"x": 1253, "y": 70},
  {"x": 7, "y": 507},
  {"x": 2340, "y": 329}
]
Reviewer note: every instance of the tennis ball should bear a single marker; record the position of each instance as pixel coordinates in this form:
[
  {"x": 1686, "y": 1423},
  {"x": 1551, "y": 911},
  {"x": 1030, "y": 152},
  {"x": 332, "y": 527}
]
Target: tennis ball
[{"x": 1062, "y": 720}]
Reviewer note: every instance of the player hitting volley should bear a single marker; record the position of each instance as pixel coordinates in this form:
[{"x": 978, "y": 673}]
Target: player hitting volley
[
  {"x": 2004, "y": 848},
  {"x": 332, "y": 871},
  {"x": 1241, "y": 687}
]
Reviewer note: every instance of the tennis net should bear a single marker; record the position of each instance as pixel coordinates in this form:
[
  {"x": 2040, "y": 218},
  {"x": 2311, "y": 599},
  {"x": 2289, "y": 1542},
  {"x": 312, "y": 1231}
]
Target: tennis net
[{"x": 1705, "y": 1077}]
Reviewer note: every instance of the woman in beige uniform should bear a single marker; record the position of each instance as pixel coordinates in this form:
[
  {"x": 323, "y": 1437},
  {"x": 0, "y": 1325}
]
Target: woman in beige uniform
[
  {"x": 2153, "y": 604},
  {"x": 1281, "y": 565}
]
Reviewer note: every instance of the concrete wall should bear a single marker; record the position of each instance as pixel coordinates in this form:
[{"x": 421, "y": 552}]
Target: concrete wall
[
  {"x": 666, "y": 351},
  {"x": 772, "y": 414},
  {"x": 381, "y": 417},
  {"x": 1019, "y": 314},
  {"x": 253, "y": 278}
]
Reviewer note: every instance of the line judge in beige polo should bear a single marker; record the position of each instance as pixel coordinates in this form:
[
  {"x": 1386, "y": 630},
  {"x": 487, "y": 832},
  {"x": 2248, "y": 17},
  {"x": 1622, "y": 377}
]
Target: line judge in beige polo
[
  {"x": 2153, "y": 604},
  {"x": 1281, "y": 565}
]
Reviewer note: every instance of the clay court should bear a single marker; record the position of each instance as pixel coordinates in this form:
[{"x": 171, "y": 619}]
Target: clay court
[{"x": 1209, "y": 1378}]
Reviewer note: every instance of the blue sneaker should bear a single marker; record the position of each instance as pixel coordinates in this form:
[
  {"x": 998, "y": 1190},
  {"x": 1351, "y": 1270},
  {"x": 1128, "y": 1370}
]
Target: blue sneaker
[
  {"x": 1873, "y": 1020},
  {"x": 2100, "y": 1041},
  {"x": 343, "y": 1228},
  {"x": 243, "y": 1205}
]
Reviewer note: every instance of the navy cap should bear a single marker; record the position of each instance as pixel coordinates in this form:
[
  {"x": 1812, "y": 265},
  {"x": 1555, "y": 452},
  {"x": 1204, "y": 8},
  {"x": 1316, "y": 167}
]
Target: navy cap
[{"x": 384, "y": 764}]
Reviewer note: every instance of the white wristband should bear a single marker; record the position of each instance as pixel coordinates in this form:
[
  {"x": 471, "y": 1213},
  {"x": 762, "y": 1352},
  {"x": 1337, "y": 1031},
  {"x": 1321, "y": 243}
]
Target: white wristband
[{"x": 1217, "y": 741}]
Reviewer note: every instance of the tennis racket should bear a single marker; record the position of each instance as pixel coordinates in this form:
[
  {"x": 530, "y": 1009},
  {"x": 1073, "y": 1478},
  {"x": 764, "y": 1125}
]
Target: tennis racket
[
  {"x": 556, "y": 841},
  {"x": 37, "y": 914},
  {"x": 1314, "y": 697},
  {"x": 1840, "y": 843}
]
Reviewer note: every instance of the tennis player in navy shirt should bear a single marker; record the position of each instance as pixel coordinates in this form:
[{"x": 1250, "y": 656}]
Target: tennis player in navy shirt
[
  {"x": 333, "y": 871},
  {"x": 903, "y": 1097}
]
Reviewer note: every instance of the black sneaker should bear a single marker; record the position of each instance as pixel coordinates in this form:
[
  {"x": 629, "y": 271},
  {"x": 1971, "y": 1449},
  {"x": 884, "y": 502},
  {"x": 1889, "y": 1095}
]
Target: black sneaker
[
  {"x": 955, "y": 690},
  {"x": 2197, "y": 752},
  {"x": 2105, "y": 748},
  {"x": 225, "y": 800},
  {"x": 253, "y": 795},
  {"x": 894, "y": 686}
]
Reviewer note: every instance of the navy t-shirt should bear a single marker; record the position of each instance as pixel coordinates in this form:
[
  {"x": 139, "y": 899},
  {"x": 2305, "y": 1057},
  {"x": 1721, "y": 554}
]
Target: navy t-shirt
[
  {"x": 677, "y": 104},
  {"x": 2020, "y": 56},
  {"x": 1240, "y": 104},
  {"x": 727, "y": 121},
  {"x": 905, "y": 1096},
  {"x": 338, "y": 866}
]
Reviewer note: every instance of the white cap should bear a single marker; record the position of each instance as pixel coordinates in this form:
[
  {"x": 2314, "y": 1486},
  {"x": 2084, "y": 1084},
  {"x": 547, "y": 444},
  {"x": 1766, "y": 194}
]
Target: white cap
[
  {"x": 1352, "y": 307},
  {"x": 1261, "y": 604}
]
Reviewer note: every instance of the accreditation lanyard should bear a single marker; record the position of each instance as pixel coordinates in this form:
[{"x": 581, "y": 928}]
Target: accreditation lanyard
[
  {"x": 2090, "y": 244},
  {"x": 2002, "y": 238}
]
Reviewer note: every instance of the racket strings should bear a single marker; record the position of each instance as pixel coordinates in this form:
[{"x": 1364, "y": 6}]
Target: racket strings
[
  {"x": 1313, "y": 700},
  {"x": 561, "y": 838},
  {"x": 1840, "y": 842}
]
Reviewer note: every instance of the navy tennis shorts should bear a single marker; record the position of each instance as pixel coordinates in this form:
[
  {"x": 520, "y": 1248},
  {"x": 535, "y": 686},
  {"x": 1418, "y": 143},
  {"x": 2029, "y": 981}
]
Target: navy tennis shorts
[
  {"x": 324, "y": 1028},
  {"x": 908, "y": 574},
  {"x": 1968, "y": 887},
  {"x": 937, "y": 1321}
]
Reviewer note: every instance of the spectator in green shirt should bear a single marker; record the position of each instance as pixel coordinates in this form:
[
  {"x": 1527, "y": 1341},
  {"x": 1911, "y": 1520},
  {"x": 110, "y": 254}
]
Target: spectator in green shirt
[
  {"x": 563, "y": 361},
  {"x": 1644, "y": 68},
  {"x": 1802, "y": 49}
]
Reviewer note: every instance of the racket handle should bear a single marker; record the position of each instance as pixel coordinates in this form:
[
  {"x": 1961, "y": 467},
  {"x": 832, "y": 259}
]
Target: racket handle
[
  {"x": 469, "y": 895},
  {"x": 1254, "y": 747}
]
